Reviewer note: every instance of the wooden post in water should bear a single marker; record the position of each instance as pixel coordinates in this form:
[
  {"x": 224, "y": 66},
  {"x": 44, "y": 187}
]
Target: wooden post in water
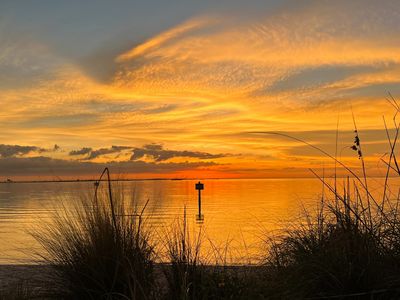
[{"x": 199, "y": 186}]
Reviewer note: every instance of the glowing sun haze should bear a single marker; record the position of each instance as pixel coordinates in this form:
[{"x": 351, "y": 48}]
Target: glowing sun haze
[{"x": 190, "y": 89}]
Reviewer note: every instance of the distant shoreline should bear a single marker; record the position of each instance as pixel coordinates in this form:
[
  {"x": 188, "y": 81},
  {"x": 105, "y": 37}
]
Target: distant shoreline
[
  {"x": 93, "y": 180},
  {"x": 166, "y": 179}
]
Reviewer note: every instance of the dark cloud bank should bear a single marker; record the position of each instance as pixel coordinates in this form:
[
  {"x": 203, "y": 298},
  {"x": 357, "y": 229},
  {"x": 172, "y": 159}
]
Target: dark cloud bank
[
  {"x": 46, "y": 166},
  {"x": 159, "y": 154},
  {"x": 17, "y": 150},
  {"x": 14, "y": 162},
  {"x": 154, "y": 151}
]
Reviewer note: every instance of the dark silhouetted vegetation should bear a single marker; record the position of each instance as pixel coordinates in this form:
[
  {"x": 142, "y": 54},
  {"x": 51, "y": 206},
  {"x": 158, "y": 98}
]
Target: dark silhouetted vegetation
[
  {"x": 100, "y": 250},
  {"x": 351, "y": 246}
]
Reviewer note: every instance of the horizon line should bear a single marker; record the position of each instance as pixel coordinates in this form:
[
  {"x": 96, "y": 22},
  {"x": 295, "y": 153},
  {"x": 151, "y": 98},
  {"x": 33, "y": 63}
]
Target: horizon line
[{"x": 166, "y": 179}]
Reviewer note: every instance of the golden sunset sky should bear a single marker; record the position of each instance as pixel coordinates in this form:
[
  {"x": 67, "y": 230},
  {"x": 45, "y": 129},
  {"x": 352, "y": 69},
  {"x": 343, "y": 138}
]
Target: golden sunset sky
[{"x": 190, "y": 89}]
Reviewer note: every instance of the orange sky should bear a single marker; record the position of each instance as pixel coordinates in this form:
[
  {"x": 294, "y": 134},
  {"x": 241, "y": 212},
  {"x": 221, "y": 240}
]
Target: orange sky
[{"x": 186, "y": 100}]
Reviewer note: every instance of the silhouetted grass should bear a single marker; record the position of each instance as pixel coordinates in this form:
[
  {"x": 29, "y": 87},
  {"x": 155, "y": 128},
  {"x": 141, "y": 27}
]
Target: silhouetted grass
[
  {"x": 332, "y": 257},
  {"x": 189, "y": 275},
  {"x": 100, "y": 250},
  {"x": 350, "y": 247}
]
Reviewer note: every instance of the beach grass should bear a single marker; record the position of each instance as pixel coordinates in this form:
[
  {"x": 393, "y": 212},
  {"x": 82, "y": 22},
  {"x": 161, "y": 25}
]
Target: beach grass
[
  {"x": 190, "y": 274},
  {"x": 100, "y": 249},
  {"x": 350, "y": 246}
]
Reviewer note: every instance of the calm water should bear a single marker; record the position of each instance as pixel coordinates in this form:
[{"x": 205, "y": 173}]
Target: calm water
[{"x": 237, "y": 212}]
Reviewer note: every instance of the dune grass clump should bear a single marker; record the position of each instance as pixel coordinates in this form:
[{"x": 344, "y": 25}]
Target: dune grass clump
[
  {"x": 183, "y": 272},
  {"x": 351, "y": 247},
  {"x": 330, "y": 257},
  {"x": 189, "y": 275},
  {"x": 101, "y": 249}
]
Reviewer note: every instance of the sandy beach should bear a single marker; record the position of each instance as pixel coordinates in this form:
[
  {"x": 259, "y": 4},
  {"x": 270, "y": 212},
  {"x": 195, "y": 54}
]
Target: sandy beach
[{"x": 32, "y": 275}]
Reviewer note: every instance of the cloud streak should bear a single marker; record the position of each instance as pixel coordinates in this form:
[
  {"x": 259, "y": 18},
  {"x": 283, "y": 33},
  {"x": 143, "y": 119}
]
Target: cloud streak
[
  {"x": 158, "y": 154},
  {"x": 17, "y": 150},
  {"x": 313, "y": 48},
  {"x": 83, "y": 151},
  {"x": 155, "y": 152},
  {"x": 104, "y": 151}
]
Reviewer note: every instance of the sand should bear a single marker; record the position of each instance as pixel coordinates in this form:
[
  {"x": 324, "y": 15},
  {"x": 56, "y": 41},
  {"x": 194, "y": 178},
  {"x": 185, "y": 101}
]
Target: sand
[{"x": 33, "y": 275}]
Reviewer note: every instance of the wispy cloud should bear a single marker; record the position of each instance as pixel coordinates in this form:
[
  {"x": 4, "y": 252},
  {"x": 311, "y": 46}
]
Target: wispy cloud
[{"x": 296, "y": 53}]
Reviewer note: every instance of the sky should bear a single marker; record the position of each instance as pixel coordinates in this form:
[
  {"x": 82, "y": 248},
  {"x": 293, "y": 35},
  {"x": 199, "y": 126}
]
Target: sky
[{"x": 194, "y": 89}]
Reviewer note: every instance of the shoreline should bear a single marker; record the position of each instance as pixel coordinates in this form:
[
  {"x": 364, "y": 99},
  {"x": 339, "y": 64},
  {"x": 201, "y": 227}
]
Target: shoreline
[
  {"x": 39, "y": 281},
  {"x": 35, "y": 274}
]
